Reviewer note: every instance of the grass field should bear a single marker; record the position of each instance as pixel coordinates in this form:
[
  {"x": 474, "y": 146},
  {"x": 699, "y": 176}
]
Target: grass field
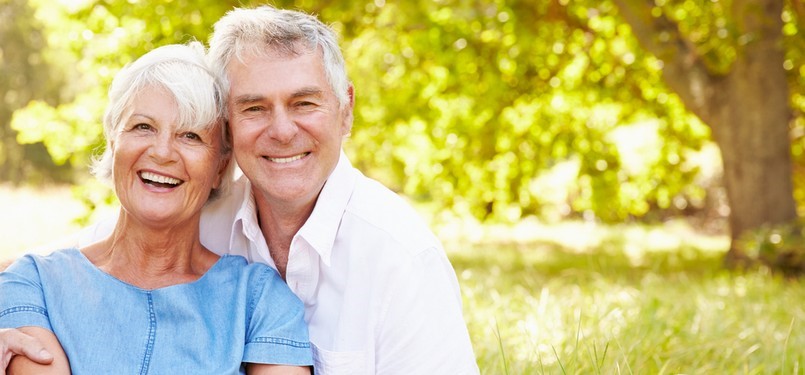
[
  {"x": 627, "y": 304},
  {"x": 572, "y": 298}
]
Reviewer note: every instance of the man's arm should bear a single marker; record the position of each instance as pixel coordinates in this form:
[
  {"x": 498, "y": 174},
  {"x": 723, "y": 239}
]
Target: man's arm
[
  {"x": 23, "y": 365},
  {"x": 263, "y": 369},
  {"x": 423, "y": 331},
  {"x": 14, "y": 342}
]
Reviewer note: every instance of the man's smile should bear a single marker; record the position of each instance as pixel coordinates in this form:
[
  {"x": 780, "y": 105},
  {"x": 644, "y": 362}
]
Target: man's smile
[{"x": 284, "y": 160}]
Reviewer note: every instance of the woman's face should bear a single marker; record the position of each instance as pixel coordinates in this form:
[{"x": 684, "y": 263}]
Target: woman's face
[{"x": 163, "y": 176}]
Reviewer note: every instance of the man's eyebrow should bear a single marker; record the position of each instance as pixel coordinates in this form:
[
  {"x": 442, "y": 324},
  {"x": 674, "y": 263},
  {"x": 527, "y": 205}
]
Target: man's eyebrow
[
  {"x": 303, "y": 92},
  {"x": 247, "y": 98},
  {"x": 308, "y": 91}
]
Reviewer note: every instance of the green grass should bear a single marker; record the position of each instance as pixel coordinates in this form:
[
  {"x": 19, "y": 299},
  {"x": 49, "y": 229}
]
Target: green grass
[
  {"x": 624, "y": 305},
  {"x": 572, "y": 298}
]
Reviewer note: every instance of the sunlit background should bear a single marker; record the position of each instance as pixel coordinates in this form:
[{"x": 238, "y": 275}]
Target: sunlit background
[{"x": 572, "y": 155}]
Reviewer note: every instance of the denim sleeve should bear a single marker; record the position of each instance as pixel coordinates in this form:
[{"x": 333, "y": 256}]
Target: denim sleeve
[
  {"x": 22, "y": 301},
  {"x": 277, "y": 332}
]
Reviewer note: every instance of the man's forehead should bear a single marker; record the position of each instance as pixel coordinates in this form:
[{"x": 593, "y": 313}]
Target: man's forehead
[{"x": 247, "y": 53}]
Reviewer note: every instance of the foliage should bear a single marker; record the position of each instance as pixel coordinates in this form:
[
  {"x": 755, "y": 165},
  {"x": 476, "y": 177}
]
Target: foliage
[
  {"x": 477, "y": 105},
  {"x": 91, "y": 41},
  {"x": 489, "y": 97},
  {"x": 25, "y": 75}
]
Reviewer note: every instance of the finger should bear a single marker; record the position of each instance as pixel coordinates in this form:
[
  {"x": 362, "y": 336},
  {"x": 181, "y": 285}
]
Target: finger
[{"x": 15, "y": 342}]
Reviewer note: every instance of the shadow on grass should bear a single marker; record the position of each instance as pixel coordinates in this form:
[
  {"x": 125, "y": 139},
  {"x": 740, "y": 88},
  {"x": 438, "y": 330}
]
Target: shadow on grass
[{"x": 614, "y": 259}]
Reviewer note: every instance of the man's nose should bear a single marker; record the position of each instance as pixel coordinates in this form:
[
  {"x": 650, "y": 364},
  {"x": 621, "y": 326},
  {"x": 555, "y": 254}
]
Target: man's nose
[{"x": 282, "y": 127}]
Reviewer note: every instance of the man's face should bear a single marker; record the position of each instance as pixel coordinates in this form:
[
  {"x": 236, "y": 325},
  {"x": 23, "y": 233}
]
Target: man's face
[{"x": 286, "y": 124}]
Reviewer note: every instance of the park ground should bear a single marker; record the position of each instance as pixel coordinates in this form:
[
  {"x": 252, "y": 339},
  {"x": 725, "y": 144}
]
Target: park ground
[{"x": 570, "y": 297}]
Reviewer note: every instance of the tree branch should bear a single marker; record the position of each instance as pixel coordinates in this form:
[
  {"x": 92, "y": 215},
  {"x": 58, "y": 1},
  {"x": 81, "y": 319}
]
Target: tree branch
[{"x": 684, "y": 71}]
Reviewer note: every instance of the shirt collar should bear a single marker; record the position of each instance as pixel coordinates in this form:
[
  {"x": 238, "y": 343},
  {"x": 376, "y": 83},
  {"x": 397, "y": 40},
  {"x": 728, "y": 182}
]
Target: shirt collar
[
  {"x": 246, "y": 215},
  {"x": 321, "y": 227}
]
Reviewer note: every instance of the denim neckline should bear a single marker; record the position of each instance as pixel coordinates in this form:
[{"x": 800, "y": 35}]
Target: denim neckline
[{"x": 93, "y": 268}]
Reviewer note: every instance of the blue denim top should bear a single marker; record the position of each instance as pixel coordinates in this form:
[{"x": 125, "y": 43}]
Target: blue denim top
[{"x": 235, "y": 313}]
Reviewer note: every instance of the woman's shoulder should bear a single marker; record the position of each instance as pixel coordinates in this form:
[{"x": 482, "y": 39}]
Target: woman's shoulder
[
  {"x": 52, "y": 272},
  {"x": 57, "y": 259},
  {"x": 255, "y": 272}
]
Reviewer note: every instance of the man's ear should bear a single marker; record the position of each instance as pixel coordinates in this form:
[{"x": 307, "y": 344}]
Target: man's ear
[{"x": 346, "y": 126}]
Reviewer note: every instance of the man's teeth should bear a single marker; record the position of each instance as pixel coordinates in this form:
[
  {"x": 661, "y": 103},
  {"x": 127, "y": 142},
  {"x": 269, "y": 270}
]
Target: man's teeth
[
  {"x": 160, "y": 179},
  {"x": 288, "y": 159}
]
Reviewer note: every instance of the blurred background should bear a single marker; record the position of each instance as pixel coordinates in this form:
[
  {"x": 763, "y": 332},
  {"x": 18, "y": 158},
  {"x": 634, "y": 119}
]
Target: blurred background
[{"x": 616, "y": 146}]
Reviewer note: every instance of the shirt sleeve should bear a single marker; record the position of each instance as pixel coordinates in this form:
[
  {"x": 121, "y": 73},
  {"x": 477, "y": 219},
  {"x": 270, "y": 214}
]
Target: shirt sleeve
[
  {"x": 423, "y": 330},
  {"x": 277, "y": 332},
  {"x": 22, "y": 303}
]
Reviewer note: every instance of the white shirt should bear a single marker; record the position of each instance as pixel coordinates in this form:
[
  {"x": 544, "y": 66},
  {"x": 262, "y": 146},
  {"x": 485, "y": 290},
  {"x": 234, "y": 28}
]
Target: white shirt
[{"x": 380, "y": 294}]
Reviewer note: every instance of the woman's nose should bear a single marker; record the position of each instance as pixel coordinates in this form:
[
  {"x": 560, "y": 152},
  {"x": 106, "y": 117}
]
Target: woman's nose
[{"x": 164, "y": 148}]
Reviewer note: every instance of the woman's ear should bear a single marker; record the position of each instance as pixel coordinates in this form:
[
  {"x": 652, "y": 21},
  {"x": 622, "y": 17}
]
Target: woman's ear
[{"x": 222, "y": 165}]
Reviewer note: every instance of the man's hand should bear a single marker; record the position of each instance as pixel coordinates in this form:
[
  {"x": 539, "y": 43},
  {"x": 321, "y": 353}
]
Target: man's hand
[{"x": 13, "y": 342}]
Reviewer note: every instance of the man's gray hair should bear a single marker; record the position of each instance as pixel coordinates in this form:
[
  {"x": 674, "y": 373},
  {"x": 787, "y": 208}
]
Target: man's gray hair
[
  {"x": 262, "y": 30},
  {"x": 183, "y": 72}
]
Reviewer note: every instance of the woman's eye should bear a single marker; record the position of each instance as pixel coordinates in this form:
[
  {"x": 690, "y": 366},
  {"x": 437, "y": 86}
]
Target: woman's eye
[
  {"x": 142, "y": 126},
  {"x": 191, "y": 135}
]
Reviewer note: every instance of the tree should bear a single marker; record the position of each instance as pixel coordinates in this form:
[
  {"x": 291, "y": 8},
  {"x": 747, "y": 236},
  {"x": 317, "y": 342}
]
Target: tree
[
  {"x": 478, "y": 102},
  {"x": 744, "y": 100},
  {"x": 478, "y": 105},
  {"x": 26, "y": 75}
]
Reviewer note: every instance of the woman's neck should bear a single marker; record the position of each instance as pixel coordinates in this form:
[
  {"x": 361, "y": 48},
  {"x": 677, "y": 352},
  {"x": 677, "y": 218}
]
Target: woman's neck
[{"x": 151, "y": 257}]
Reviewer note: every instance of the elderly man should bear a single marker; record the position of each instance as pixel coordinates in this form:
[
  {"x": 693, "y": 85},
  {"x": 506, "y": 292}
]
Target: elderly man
[{"x": 380, "y": 295}]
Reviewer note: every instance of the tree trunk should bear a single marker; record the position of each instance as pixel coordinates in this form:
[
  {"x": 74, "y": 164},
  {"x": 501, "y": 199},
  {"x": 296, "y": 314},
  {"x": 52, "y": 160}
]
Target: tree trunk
[
  {"x": 751, "y": 128},
  {"x": 747, "y": 109}
]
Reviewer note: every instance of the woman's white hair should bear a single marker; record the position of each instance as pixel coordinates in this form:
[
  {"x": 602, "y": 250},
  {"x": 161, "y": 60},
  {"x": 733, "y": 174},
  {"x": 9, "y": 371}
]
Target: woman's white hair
[
  {"x": 182, "y": 71},
  {"x": 259, "y": 31}
]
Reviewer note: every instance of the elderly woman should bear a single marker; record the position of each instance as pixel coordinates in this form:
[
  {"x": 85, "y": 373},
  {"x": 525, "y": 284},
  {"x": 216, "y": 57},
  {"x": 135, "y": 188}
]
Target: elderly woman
[{"x": 150, "y": 298}]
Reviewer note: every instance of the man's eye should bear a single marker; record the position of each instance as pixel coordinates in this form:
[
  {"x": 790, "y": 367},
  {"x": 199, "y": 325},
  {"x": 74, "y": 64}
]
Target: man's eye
[{"x": 253, "y": 109}]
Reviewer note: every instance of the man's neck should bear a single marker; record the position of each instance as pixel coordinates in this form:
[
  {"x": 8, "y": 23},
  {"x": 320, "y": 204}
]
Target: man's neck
[{"x": 279, "y": 224}]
